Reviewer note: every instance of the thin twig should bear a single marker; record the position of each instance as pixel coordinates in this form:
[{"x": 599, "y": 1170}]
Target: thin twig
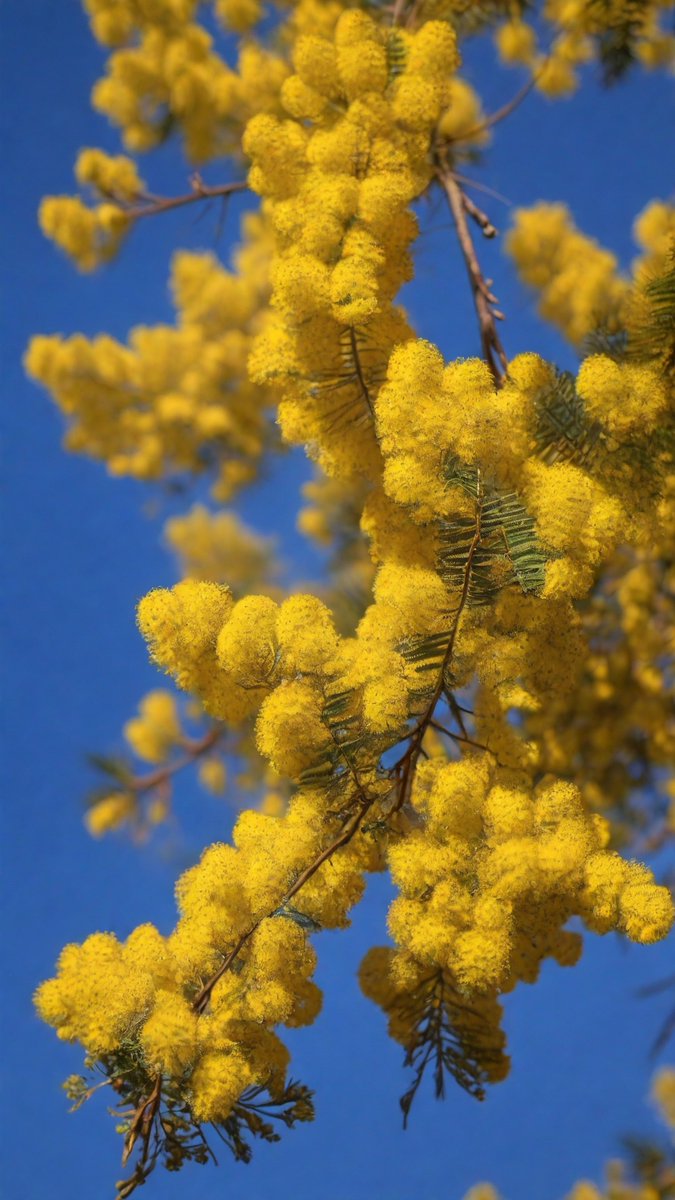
[
  {"x": 142, "y": 1121},
  {"x": 194, "y": 749},
  {"x": 501, "y": 113},
  {"x": 407, "y": 764},
  {"x": 482, "y": 220},
  {"x": 358, "y": 367},
  {"x": 482, "y": 187},
  {"x": 202, "y": 998},
  {"x": 484, "y": 301},
  {"x": 151, "y": 206}
]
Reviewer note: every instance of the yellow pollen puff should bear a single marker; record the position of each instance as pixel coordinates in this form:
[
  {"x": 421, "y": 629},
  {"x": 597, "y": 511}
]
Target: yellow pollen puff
[
  {"x": 182, "y": 623},
  {"x": 355, "y": 27},
  {"x": 110, "y": 813},
  {"x": 417, "y": 102},
  {"x": 247, "y": 643},
  {"x": 169, "y": 1036},
  {"x": 115, "y": 176},
  {"x": 315, "y": 61},
  {"x": 462, "y": 119},
  {"x": 213, "y": 775},
  {"x": 289, "y": 731},
  {"x": 216, "y": 1084},
  {"x": 156, "y": 729},
  {"x": 663, "y": 1093},
  {"x": 306, "y": 634},
  {"x": 90, "y": 236},
  {"x": 516, "y": 42},
  {"x": 433, "y": 51},
  {"x": 239, "y": 15},
  {"x": 300, "y": 100},
  {"x": 362, "y": 67},
  {"x": 623, "y": 396}
]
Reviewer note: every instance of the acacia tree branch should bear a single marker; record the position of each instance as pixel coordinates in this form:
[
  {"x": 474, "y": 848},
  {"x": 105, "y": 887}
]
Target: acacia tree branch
[
  {"x": 202, "y": 998},
  {"x": 142, "y": 1121},
  {"x": 407, "y": 765},
  {"x": 481, "y": 218},
  {"x": 403, "y": 773},
  {"x": 358, "y": 368},
  {"x": 150, "y": 206},
  {"x": 194, "y": 749},
  {"x": 501, "y": 113},
  {"x": 484, "y": 300}
]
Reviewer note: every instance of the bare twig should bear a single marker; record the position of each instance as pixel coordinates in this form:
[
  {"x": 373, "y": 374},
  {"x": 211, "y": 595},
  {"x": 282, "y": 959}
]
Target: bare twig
[
  {"x": 151, "y": 206},
  {"x": 358, "y": 368},
  {"x": 142, "y": 1121},
  {"x": 484, "y": 301},
  {"x": 194, "y": 748},
  {"x": 482, "y": 220},
  {"x": 501, "y": 113}
]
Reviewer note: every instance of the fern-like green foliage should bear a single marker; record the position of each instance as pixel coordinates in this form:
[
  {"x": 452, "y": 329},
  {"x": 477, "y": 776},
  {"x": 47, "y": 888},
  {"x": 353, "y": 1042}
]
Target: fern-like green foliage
[
  {"x": 159, "y": 1127},
  {"x": 447, "y": 1036},
  {"x": 564, "y": 432},
  {"x": 396, "y": 54},
  {"x": 348, "y": 390},
  {"x": 497, "y": 547},
  {"x": 651, "y": 1165},
  {"x": 617, "y": 35},
  {"x": 651, "y": 334}
]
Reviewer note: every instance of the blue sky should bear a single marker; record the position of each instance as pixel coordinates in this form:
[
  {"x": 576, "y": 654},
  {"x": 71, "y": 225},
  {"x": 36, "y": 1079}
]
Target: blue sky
[{"x": 80, "y": 549}]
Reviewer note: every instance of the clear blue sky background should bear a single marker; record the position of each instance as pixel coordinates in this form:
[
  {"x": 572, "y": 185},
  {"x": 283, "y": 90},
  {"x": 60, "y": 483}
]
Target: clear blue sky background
[{"x": 78, "y": 553}]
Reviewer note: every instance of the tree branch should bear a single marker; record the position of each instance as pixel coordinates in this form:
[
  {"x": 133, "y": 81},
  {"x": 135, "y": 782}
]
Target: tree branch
[
  {"x": 503, "y": 112},
  {"x": 150, "y": 206},
  {"x": 358, "y": 368},
  {"x": 194, "y": 749},
  {"x": 484, "y": 301},
  {"x": 202, "y": 998}
]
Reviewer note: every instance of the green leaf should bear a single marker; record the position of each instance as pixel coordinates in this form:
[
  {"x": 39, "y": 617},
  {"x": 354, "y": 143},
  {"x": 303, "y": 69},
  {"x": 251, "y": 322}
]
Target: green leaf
[
  {"x": 508, "y": 551},
  {"x": 564, "y": 433},
  {"x": 305, "y": 922}
]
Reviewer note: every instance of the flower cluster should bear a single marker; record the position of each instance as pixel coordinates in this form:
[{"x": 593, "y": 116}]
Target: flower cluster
[
  {"x": 340, "y": 172},
  {"x": 492, "y": 876},
  {"x": 482, "y": 688},
  {"x": 578, "y": 281},
  {"x": 175, "y": 399},
  {"x": 92, "y": 236},
  {"x": 164, "y": 69},
  {"x": 615, "y": 34},
  {"x": 218, "y": 546}
]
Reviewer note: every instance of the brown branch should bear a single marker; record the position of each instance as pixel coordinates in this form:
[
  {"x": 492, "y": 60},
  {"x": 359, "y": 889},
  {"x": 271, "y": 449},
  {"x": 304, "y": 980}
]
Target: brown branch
[
  {"x": 501, "y": 113},
  {"x": 484, "y": 300},
  {"x": 202, "y": 998},
  {"x": 358, "y": 367},
  {"x": 403, "y": 770},
  {"x": 482, "y": 187},
  {"x": 194, "y": 749},
  {"x": 151, "y": 206},
  {"x": 482, "y": 220},
  {"x": 142, "y": 1121},
  {"x": 408, "y": 762}
]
